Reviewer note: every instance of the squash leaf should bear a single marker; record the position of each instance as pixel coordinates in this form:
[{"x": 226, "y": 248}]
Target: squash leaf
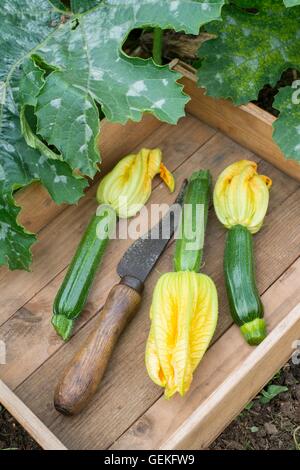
[
  {"x": 79, "y": 6},
  {"x": 20, "y": 164},
  {"x": 291, "y": 3},
  {"x": 287, "y": 126},
  {"x": 250, "y": 51},
  {"x": 55, "y": 73},
  {"x": 90, "y": 69}
]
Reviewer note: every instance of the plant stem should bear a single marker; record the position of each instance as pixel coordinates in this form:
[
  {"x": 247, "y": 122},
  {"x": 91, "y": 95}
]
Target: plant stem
[{"x": 157, "y": 45}]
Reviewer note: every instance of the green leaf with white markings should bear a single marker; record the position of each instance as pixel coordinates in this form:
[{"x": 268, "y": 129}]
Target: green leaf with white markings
[
  {"x": 56, "y": 68},
  {"x": 24, "y": 25},
  {"x": 287, "y": 126},
  {"x": 250, "y": 51},
  {"x": 291, "y": 3},
  {"x": 91, "y": 68},
  {"x": 78, "y": 6}
]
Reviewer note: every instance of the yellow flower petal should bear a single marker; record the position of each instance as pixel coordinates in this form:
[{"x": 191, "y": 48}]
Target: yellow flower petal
[
  {"x": 184, "y": 315},
  {"x": 241, "y": 196},
  {"x": 167, "y": 177},
  {"x": 128, "y": 186}
]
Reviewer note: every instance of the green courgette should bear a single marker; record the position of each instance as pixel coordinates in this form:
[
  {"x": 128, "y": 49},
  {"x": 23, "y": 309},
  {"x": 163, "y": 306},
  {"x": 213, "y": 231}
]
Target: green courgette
[
  {"x": 189, "y": 245},
  {"x": 245, "y": 305},
  {"x": 73, "y": 293}
]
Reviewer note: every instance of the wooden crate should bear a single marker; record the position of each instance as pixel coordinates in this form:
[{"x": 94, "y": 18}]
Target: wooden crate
[{"x": 129, "y": 411}]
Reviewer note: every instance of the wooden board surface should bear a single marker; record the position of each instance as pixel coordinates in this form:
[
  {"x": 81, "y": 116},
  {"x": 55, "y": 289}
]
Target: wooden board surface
[
  {"x": 175, "y": 423},
  {"x": 36, "y": 356},
  {"x": 29, "y": 420}
]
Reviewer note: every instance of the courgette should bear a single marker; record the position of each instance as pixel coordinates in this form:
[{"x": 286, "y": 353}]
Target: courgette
[
  {"x": 74, "y": 290},
  {"x": 189, "y": 245},
  {"x": 245, "y": 305},
  {"x": 184, "y": 309}
]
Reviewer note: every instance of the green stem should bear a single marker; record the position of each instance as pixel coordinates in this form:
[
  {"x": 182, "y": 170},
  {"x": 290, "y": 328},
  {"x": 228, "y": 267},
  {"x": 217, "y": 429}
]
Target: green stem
[
  {"x": 189, "y": 245},
  {"x": 157, "y": 45}
]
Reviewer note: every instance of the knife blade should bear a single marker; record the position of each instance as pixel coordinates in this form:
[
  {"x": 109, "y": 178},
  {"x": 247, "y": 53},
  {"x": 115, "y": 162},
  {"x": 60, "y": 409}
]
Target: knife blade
[
  {"x": 137, "y": 261},
  {"x": 83, "y": 375}
]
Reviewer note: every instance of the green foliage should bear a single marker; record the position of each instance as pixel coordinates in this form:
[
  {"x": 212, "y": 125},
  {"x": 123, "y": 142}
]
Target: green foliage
[
  {"x": 79, "y": 6},
  {"x": 271, "y": 392},
  {"x": 53, "y": 77},
  {"x": 23, "y": 26},
  {"x": 291, "y": 3},
  {"x": 252, "y": 49},
  {"x": 287, "y": 127}
]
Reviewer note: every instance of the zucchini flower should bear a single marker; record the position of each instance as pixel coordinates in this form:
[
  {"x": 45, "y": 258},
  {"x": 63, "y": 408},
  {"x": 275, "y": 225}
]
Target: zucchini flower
[
  {"x": 184, "y": 308},
  {"x": 241, "y": 196},
  {"x": 184, "y": 315},
  {"x": 128, "y": 186}
]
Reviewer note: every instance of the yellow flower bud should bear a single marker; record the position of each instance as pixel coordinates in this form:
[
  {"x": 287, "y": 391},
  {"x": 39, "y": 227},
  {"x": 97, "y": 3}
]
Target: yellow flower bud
[
  {"x": 184, "y": 314},
  {"x": 128, "y": 186},
  {"x": 241, "y": 196}
]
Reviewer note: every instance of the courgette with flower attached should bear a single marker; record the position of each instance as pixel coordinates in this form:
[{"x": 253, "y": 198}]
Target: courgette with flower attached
[
  {"x": 121, "y": 193},
  {"x": 184, "y": 308},
  {"x": 241, "y": 198}
]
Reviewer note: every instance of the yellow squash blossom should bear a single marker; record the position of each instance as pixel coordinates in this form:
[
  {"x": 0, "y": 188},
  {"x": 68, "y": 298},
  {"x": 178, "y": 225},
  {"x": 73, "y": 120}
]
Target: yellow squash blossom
[
  {"x": 184, "y": 314},
  {"x": 241, "y": 196},
  {"x": 128, "y": 186}
]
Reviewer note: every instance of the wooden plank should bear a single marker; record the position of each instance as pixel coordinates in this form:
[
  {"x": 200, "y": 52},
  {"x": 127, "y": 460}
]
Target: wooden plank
[
  {"x": 58, "y": 241},
  {"x": 127, "y": 391},
  {"x": 248, "y": 125},
  {"x": 230, "y": 398},
  {"x": 229, "y": 376},
  {"x": 43, "y": 436},
  {"x": 21, "y": 331},
  {"x": 38, "y": 209}
]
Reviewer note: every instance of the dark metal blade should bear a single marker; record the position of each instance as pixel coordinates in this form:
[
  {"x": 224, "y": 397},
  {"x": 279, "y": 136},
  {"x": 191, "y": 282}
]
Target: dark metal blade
[{"x": 142, "y": 255}]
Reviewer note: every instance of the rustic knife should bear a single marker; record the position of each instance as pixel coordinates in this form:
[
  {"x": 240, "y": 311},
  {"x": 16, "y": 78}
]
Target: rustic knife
[{"x": 83, "y": 375}]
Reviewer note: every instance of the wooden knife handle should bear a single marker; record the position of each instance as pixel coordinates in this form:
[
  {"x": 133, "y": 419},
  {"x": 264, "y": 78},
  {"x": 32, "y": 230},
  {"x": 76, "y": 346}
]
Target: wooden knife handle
[{"x": 83, "y": 375}]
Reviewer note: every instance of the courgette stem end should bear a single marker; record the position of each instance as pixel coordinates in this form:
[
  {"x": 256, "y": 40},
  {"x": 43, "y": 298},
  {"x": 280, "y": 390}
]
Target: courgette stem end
[
  {"x": 63, "y": 326},
  {"x": 254, "y": 331}
]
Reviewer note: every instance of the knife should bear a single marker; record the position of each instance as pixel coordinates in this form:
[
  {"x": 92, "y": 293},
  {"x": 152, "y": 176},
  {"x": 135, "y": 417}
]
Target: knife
[{"x": 83, "y": 375}]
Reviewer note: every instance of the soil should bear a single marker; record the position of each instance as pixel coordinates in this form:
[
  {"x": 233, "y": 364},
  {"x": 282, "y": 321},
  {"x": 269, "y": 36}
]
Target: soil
[
  {"x": 12, "y": 435},
  {"x": 271, "y": 426},
  {"x": 262, "y": 427}
]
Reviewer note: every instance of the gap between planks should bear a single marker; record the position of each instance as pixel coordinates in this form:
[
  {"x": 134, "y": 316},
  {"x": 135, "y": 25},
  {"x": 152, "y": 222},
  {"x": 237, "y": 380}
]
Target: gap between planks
[
  {"x": 46, "y": 370},
  {"x": 86, "y": 319},
  {"x": 33, "y": 425},
  {"x": 228, "y": 329},
  {"x": 44, "y": 272},
  {"x": 167, "y": 424}
]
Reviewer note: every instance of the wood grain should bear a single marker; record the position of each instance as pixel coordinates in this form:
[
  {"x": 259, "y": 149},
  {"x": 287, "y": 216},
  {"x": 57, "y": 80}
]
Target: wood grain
[
  {"x": 248, "y": 125},
  {"x": 83, "y": 375},
  {"x": 25, "y": 328},
  {"x": 239, "y": 387},
  {"x": 28, "y": 420},
  {"x": 218, "y": 371},
  {"x": 126, "y": 390},
  {"x": 58, "y": 240},
  {"x": 36, "y": 356}
]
